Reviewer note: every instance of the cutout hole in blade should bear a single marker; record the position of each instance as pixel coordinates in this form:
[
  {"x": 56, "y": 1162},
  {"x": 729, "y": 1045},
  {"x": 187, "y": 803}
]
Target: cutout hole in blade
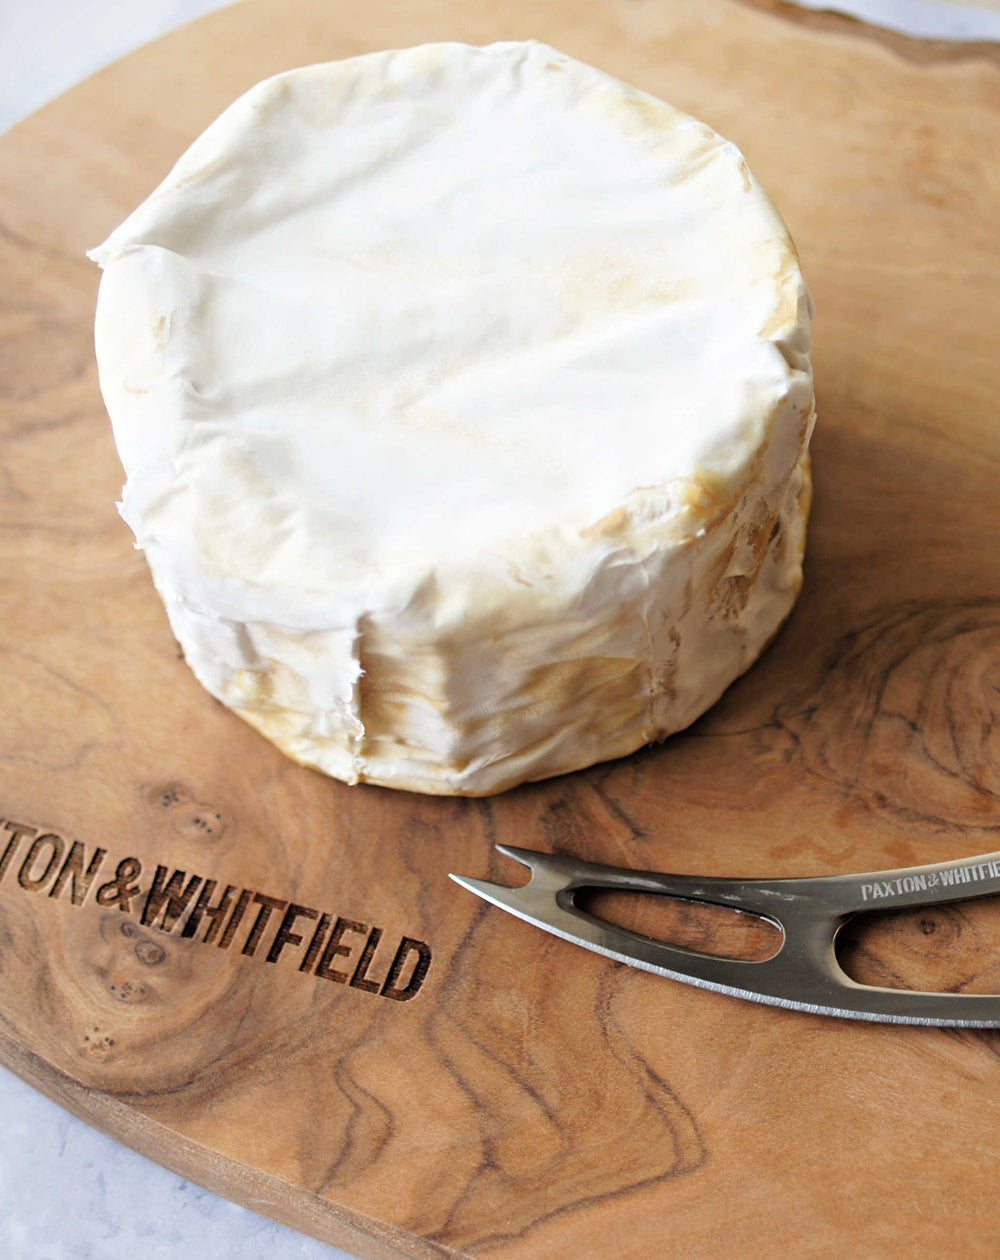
[
  {"x": 949, "y": 948},
  {"x": 711, "y": 929}
]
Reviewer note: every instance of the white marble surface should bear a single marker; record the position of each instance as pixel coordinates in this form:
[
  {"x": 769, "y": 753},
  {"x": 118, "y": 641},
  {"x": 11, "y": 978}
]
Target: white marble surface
[
  {"x": 66, "y": 1191},
  {"x": 930, "y": 19}
]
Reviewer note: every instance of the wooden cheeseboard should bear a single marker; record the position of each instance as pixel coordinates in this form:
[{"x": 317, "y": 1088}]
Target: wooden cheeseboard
[{"x": 265, "y": 980}]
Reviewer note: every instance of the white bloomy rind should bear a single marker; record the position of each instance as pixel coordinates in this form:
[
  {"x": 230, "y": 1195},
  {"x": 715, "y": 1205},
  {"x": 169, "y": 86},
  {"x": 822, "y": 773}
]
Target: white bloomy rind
[{"x": 464, "y": 399}]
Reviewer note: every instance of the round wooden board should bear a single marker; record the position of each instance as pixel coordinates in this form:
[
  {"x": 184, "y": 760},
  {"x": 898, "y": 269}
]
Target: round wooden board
[{"x": 501, "y": 1093}]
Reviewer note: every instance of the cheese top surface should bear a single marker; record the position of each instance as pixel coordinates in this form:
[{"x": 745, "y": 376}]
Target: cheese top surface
[{"x": 430, "y": 337}]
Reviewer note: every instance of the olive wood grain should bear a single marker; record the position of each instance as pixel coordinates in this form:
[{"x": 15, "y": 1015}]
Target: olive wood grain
[{"x": 371, "y": 1055}]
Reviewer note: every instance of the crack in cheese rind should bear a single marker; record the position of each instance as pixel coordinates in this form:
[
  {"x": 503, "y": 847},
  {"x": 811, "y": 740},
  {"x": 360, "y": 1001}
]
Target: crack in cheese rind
[{"x": 464, "y": 399}]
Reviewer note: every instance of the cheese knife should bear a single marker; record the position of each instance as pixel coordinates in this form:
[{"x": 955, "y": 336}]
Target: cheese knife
[{"x": 804, "y": 974}]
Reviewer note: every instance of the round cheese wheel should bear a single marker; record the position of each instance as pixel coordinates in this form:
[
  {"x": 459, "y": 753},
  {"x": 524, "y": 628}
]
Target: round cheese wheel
[{"x": 464, "y": 399}]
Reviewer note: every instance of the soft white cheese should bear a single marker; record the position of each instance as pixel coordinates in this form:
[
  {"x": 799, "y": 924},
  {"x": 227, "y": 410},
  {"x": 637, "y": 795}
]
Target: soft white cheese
[{"x": 464, "y": 400}]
